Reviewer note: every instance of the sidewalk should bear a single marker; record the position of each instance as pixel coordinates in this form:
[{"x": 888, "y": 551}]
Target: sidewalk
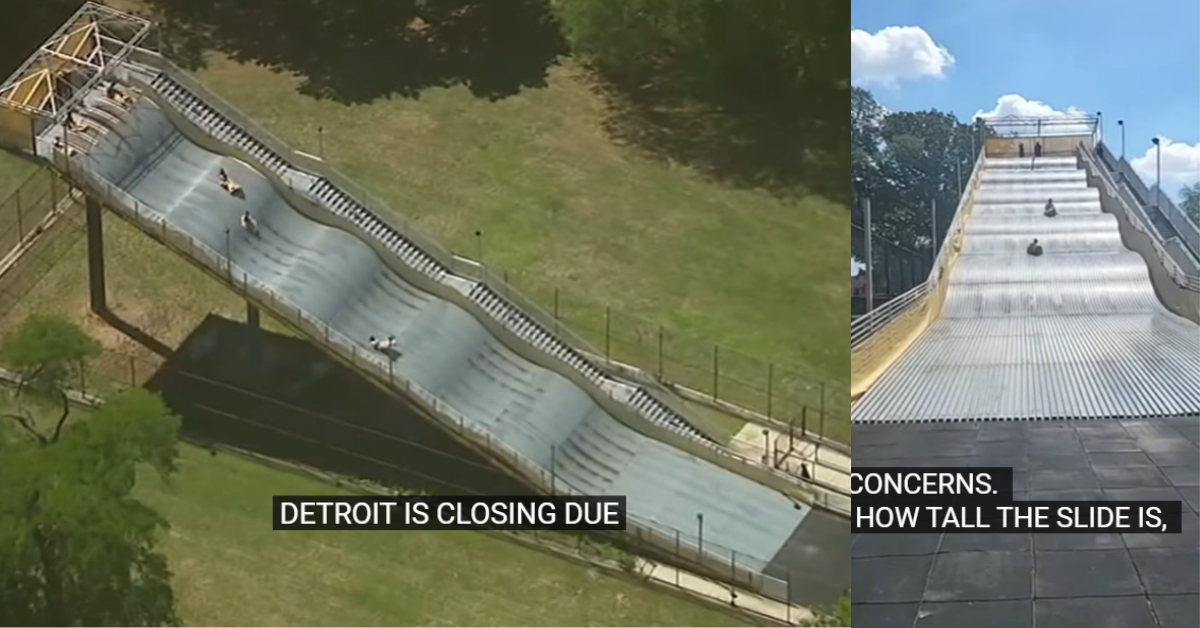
[
  {"x": 825, "y": 464},
  {"x": 787, "y": 613}
]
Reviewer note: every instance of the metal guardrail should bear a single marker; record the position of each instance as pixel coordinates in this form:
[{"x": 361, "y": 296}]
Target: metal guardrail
[
  {"x": 643, "y": 529},
  {"x": 1140, "y": 221},
  {"x": 865, "y": 326},
  {"x": 380, "y": 209},
  {"x": 1188, "y": 232}
]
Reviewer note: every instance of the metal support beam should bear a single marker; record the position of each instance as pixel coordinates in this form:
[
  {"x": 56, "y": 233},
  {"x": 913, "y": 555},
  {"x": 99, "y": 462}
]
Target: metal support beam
[
  {"x": 95, "y": 255},
  {"x": 253, "y": 316}
]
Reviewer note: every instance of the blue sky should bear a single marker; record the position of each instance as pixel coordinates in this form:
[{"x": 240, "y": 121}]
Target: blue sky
[{"x": 1139, "y": 61}]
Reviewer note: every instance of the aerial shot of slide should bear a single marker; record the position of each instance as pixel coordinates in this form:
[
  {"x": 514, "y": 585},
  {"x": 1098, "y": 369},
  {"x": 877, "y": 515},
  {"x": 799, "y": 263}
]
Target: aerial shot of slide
[
  {"x": 758, "y": 534},
  {"x": 1056, "y": 333}
]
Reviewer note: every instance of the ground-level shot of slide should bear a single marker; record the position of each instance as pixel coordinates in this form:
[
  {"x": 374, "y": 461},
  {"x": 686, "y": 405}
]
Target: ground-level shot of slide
[
  {"x": 138, "y": 141},
  {"x": 1049, "y": 345}
]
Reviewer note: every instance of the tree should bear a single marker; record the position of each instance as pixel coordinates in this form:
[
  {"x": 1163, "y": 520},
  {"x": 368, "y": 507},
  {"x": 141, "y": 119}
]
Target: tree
[
  {"x": 1190, "y": 202},
  {"x": 47, "y": 353},
  {"x": 907, "y": 160},
  {"x": 76, "y": 547},
  {"x": 839, "y": 615}
]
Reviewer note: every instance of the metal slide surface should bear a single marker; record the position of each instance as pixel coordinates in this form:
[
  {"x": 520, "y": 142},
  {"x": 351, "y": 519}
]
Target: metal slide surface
[
  {"x": 336, "y": 277},
  {"x": 1075, "y": 333}
]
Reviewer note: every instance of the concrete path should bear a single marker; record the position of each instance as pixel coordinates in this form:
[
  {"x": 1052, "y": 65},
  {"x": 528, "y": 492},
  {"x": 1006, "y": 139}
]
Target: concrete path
[
  {"x": 831, "y": 466},
  {"x": 666, "y": 574}
]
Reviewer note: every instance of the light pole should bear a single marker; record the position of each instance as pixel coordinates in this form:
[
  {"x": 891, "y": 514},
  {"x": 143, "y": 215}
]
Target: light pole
[
  {"x": 228, "y": 256},
  {"x": 479, "y": 246},
  {"x": 1157, "y": 174},
  {"x": 1121, "y": 123},
  {"x": 700, "y": 529}
]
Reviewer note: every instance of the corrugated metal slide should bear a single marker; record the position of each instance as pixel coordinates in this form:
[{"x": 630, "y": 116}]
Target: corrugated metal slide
[{"x": 1075, "y": 333}]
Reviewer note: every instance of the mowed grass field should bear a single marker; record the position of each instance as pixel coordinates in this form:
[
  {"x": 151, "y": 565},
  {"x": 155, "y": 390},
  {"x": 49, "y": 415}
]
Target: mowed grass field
[
  {"x": 559, "y": 205},
  {"x": 231, "y": 569}
]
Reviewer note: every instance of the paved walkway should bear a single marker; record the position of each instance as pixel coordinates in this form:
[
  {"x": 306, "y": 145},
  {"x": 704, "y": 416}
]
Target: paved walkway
[
  {"x": 831, "y": 466},
  {"x": 666, "y": 574}
]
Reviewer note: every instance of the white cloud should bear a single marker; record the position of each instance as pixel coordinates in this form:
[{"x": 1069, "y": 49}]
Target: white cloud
[
  {"x": 896, "y": 53},
  {"x": 1070, "y": 121},
  {"x": 1180, "y": 164}
]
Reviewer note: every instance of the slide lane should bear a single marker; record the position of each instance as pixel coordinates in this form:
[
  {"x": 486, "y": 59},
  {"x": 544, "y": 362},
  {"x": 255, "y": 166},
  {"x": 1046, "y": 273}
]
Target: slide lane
[
  {"x": 339, "y": 279},
  {"x": 1076, "y": 333}
]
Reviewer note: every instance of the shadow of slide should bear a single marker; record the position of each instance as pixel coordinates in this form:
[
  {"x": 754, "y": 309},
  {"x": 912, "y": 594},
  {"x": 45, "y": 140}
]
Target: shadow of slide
[
  {"x": 281, "y": 397},
  {"x": 357, "y": 51},
  {"x": 135, "y": 333}
]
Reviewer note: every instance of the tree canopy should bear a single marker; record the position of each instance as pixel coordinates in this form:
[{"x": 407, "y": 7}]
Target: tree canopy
[
  {"x": 839, "y": 615},
  {"x": 1190, "y": 201},
  {"x": 906, "y": 161},
  {"x": 76, "y": 547},
  {"x": 757, "y": 50}
]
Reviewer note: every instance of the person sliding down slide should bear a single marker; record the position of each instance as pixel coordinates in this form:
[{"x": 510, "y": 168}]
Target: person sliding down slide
[
  {"x": 116, "y": 95},
  {"x": 1050, "y": 211},
  {"x": 1034, "y": 248},
  {"x": 249, "y": 224},
  {"x": 228, "y": 184}
]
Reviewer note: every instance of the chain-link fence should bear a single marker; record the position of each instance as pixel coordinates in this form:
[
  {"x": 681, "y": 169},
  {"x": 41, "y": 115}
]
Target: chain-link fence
[
  {"x": 41, "y": 206},
  {"x": 671, "y": 356}
]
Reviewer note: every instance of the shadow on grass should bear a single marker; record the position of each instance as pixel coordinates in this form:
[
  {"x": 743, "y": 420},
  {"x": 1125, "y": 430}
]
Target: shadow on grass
[
  {"x": 135, "y": 333},
  {"x": 26, "y": 24},
  {"x": 357, "y": 51},
  {"x": 281, "y": 397},
  {"x": 789, "y": 150}
]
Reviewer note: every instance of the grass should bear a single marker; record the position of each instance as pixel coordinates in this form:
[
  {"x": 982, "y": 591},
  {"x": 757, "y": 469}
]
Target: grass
[
  {"x": 222, "y": 550},
  {"x": 559, "y": 205},
  {"x": 13, "y": 172}
]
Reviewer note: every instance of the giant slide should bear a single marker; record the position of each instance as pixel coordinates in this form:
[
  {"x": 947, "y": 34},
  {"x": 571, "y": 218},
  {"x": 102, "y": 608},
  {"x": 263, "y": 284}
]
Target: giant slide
[
  {"x": 1078, "y": 332},
  {"x": 152, "y": 159}
]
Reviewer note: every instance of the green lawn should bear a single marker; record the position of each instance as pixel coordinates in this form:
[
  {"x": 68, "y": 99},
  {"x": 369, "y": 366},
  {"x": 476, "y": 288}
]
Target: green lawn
[
  {"x": 231, "y": 568},
  {"x": 562, "y": 206},
  {"x": 13, "y": 172}
]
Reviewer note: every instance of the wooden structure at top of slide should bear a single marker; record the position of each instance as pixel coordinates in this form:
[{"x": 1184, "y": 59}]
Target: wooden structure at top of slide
[{"x": 64, "y": 68}]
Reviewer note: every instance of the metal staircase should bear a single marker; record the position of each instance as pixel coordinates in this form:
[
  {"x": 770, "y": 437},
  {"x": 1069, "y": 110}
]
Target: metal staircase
[
  {"x": 209, "y": 119},
  {"x": 342, "y": 204}
]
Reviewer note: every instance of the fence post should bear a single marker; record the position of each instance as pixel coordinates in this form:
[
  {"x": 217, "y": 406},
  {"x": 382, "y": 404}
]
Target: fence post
[
  {"x": 770, "y": 386},
  {"x": 607, "y": 333},
  {"x": 20, "y": 227},
  {"x": 661, "y": 375},
  {"x": 822, "y": 419},
  {"x": 132, "y": 372},
  {"x": 716, "y": 369}
]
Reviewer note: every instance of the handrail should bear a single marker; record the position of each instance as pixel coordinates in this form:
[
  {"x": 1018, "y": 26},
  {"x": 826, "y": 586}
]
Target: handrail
[
  {"x": 1184, "y": 226},
  {"x": 706, "y": 553},
  {"x": 865, "y": 326},
  {"x": 1129, "y": 207},
  {"x": 380, "y": 209}
]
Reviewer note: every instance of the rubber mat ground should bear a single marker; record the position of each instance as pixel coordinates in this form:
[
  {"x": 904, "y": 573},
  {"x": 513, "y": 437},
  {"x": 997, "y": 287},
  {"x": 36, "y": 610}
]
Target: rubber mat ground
[{"x": 1022, "y": 580}]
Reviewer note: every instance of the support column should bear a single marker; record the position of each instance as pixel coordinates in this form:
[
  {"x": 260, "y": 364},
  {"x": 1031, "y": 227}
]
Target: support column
[
  {"x": 252, "y": 316},
  {"x": 95, "y": 255}
]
